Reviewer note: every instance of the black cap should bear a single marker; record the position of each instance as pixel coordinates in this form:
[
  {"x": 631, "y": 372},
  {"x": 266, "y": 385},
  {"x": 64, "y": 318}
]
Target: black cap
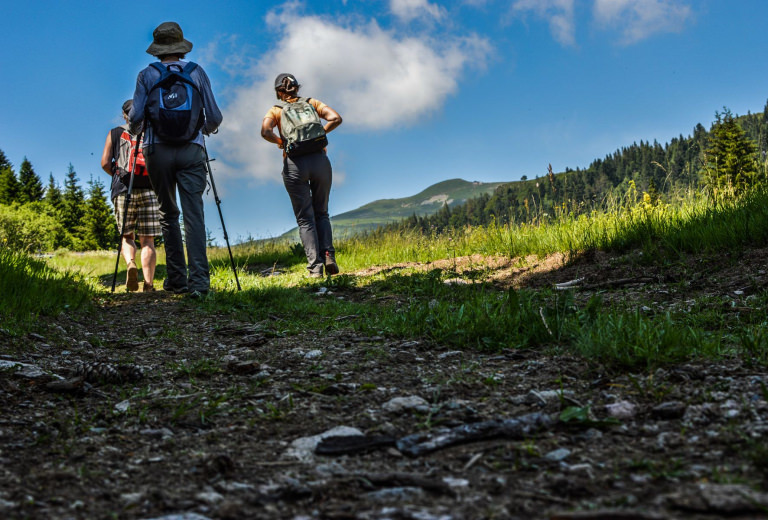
[
  {"x": 127, "y": 106},
  {"x": 280, "y": 77}
]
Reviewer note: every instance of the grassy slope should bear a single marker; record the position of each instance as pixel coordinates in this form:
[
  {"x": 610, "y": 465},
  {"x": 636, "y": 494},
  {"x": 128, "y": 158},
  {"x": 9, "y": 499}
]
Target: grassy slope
[
  {"x": 412, "y": 303},
  {"x": 426, "y": 202}
]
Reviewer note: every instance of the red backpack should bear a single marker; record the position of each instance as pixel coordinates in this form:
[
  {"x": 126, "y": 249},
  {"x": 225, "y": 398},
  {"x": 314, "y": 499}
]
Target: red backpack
[{"x": 123, "y": 144}]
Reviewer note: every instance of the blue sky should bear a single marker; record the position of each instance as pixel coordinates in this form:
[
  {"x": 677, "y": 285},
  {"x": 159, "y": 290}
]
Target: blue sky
[{"x": 484, "y": 90}]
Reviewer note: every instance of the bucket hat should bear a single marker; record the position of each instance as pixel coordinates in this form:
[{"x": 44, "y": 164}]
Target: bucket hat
[{"x": 168, "y": 38}]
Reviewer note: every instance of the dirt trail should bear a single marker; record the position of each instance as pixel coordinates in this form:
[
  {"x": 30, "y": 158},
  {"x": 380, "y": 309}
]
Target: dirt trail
[{"x": 200, "y": 414}]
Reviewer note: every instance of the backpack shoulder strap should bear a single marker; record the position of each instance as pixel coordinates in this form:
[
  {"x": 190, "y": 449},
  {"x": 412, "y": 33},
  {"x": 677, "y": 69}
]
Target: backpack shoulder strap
[
  {"x": 114, "y": 135},
  {"x": 159, "y": 66},
  {"x": 189, "y": 67}
]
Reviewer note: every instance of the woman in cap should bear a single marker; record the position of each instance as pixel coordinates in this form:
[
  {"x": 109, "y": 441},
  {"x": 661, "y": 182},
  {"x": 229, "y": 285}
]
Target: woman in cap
[{"x": 307, "y": 177}]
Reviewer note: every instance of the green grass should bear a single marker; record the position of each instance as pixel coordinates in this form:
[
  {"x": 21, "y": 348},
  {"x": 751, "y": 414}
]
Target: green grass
[
  {"x": 409, "y": 303},
  {"x": 31, "y": 288}
]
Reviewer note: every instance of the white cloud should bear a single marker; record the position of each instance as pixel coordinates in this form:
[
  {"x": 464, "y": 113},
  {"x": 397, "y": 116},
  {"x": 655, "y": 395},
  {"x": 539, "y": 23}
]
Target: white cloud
[
  {"x": 635, "y": 19},
  {"x": 559, "y": 14},
  {"x": 372, "y": 77},
  {"x": 408, "y": 10},
  {"x": 638, "y": 19}
]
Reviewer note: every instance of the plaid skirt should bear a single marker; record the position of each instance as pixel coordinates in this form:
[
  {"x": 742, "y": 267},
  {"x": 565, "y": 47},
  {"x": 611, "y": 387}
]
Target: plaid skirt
[{"x": 143, "y": 213}]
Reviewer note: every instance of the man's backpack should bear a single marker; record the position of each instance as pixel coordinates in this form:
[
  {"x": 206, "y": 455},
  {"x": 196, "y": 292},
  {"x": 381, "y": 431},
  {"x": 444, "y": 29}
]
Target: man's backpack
[
  {"x": 301, "y": 128},
  {"x": 123, "y": 146},
  {"x": 174, "y": 104}
]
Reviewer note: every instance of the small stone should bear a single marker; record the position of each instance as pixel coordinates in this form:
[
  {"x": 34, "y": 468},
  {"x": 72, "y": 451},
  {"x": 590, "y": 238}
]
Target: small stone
[
  {"x": 303, "y": 448},
  {"x": 621, "y": 410},
  {"x": 558, "y": 454},
  {"x": 5, "y": 504},
  {"x": 209, "y": 497},
  {"x": 400, "y": 404},
  {"x": 131, "y": 499},
  {"x": 163, "y": 433},
  {"x": 669, "y": 410},
  {"x": 456, "y": 482},
  {"x": 545, "y": 397}
]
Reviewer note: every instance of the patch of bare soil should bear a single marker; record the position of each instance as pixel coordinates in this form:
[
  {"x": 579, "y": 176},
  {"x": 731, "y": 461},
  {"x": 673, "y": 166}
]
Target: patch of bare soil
[{"x": 151, "y": 408}]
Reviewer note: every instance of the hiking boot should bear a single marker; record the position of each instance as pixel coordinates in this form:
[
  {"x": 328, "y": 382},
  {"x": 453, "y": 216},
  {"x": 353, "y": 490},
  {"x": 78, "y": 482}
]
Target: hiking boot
[
  {"x": 175, "y": 290},
  {"x": 132, "y": 280},
  {"x": 316, "y": 274},
  {"x": 148, "y": 287},
  {"x": 330, "y": 264}
]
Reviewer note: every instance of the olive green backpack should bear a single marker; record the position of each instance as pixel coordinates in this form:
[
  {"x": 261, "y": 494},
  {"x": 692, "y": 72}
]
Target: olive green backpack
[{"x": 301, "y": 128}]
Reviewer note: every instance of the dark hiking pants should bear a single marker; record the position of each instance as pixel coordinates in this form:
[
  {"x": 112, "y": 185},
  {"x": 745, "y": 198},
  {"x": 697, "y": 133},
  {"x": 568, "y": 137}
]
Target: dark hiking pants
[
  {"x": 307, "y": 179},
  {"x": 182, "y": 168}
]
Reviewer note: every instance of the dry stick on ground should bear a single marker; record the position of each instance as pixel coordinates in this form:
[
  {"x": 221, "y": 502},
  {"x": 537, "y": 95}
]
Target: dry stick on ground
[
  {"x": 608, "y": 283},
  {"x": 408, "y": 480},
  {"x": 525, "y": 425},
  {"x": 543, "y": 319}
]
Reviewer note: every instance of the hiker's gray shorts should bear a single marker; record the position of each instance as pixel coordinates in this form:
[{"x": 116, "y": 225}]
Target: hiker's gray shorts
[{"x": 143, "y": 216}]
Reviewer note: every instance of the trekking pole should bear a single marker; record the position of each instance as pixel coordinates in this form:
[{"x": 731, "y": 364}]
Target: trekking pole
[
  {"x": 218, "y": 205},
  {"x": 127, "y": 202}
]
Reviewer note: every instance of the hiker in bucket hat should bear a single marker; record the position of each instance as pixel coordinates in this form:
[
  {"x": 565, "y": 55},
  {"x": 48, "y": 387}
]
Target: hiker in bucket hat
[
  {"x": 177, "y": 166},
  {"x": 307, "y": 173},
  {"x": 168, "y": 39}
]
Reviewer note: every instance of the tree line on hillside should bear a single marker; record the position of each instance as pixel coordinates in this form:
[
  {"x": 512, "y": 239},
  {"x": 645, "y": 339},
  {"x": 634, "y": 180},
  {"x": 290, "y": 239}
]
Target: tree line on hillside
[
  {"x": 727, "y": 159},
  {"x": 38, "y": 218}
]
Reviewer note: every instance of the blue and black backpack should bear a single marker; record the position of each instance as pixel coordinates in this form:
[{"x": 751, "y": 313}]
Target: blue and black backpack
[{"x": 174, "y": 104}]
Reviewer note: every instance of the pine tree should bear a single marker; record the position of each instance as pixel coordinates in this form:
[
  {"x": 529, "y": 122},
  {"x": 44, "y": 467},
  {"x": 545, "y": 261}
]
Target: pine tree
[
  {"x": 100, "y": 230},
  {"x": 53, "y": 196},
  {"x": 9, "y": 186},
  {"x": 73, "y": 200},
  {"x": 5, "y": 163},
  {"x": 31, "y": 189},
  {"x": 731, "y": 157}
]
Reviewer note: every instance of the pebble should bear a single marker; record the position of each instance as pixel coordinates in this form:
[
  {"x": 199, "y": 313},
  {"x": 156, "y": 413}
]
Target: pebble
[
  {"x": 558, "y": 454},
  {"x": 303, "y": 448},
  {"x": 669, "y": 410},
  {"x": 621, "y": 410},
  {"x": 400, "y": 404}
]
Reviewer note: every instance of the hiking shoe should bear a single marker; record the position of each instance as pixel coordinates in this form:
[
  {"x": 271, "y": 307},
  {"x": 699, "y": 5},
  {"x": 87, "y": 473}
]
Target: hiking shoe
[
  {"x": 148, "y": 287},
  {"x": 330, "y": 264},
  {"x": 175, "y": 290},
  {"x": 132, "y": 280},
  {"x": 317, "y": 274}
]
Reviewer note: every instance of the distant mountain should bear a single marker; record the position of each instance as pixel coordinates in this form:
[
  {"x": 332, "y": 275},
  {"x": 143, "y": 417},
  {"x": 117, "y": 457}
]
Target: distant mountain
[{"x": 453, "y": 192}]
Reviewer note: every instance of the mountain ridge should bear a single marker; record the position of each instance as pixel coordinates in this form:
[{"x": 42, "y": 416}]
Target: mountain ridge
[{"x": 451, "y": 192}]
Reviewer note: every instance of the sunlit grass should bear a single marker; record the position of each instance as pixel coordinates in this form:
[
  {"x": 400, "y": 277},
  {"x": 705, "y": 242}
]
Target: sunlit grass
[
  {"x": 30, "y": 288},
  {"x": 419, "y": 304}
]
